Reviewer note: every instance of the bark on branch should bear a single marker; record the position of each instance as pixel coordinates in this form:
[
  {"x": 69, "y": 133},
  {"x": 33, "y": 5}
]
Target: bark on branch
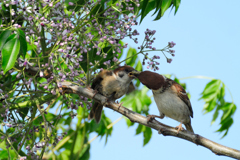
[{"x": 165, "y": 130}]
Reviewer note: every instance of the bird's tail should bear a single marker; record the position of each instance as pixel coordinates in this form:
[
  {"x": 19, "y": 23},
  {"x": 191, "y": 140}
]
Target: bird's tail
[
  {"x": 96, "y": 112},
  {"x": 189, "y": 127}
]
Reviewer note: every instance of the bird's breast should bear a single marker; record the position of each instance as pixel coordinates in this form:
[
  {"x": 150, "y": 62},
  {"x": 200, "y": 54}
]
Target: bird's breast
[
  {"x": 172, "y": 106},
  {"x": 115, "y": 88}
]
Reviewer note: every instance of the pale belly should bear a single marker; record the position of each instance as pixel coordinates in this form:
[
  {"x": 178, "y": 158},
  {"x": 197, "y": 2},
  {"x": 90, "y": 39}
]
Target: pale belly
[
  {"x": 118, "y": 89},
  {"x": 172, "y": 106}
]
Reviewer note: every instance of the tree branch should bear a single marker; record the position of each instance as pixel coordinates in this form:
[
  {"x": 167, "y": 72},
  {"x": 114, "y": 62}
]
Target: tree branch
[
  {"x": 165, "y": 130},
  {"x": 33, "y": 102}
]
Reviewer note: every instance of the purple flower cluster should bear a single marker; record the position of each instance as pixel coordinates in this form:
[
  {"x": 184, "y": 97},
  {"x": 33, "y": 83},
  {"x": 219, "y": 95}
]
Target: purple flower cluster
[{"x": 62, "y": 48}]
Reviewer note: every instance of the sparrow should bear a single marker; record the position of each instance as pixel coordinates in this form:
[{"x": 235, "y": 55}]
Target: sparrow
[
  {"x": 112, "y": 84},
  {"x": 171, "y": 98}
]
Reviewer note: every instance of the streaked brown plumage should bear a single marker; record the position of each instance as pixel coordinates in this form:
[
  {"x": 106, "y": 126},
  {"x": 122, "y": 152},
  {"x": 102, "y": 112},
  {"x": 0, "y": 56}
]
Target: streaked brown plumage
[
  {"x": 170, "y": 97},
  {"x": 112, "y": 84}
]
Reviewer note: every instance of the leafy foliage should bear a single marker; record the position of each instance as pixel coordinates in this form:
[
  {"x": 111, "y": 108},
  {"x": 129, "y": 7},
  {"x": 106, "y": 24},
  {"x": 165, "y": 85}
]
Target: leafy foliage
[
  {"x": 41, "y": 44},
  {"x": 213, "y": 95},
  {"x": 160, "y": 7}
]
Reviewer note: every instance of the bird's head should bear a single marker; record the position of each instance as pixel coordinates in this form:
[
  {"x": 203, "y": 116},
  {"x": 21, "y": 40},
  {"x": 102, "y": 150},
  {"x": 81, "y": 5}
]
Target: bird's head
[{"x": 123, "y": 73}]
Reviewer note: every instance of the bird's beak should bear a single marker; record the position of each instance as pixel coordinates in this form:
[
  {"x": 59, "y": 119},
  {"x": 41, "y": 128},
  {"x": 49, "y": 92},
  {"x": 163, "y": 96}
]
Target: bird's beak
[{"x": 134, "y": 73}]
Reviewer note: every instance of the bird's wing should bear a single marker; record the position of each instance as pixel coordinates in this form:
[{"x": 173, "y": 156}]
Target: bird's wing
[
  {"x": 96, "y": 84},
  {"x": 183, "y": 96}
]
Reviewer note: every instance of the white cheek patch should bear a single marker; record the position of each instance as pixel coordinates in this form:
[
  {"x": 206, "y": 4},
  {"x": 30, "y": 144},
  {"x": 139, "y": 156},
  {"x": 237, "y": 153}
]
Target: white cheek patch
[{"x": 183, "y": 93}]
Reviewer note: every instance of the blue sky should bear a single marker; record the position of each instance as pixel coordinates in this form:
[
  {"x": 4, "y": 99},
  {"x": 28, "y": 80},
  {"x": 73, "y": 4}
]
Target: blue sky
[{"x": 207, "y": 37}]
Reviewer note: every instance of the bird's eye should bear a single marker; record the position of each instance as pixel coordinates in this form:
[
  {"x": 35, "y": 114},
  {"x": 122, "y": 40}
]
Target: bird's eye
[{"x": 120, "y": 74}]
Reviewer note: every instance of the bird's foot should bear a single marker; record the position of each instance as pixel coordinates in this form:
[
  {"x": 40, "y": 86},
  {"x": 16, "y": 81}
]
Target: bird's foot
[
  {"x": 120, "y": 105},
  {"x": 179, "y": 128},
  {"x": 108, "y": 101},
  {"x": 94, "y": 94},
  {"x": 89, "y": 87},
  {"x": 150, "y": 118}
]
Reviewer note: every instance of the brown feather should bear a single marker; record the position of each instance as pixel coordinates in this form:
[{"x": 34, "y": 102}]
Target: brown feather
[
  {"x": 151, "y": 80},
  {"x": 189, "y": 126},
  {"x": 108, "y": 85},
  {"x": 122, "y": 68},
  {"x": 96, "y": 110},
  {"x": 131, "y": 88},
  {"x": 183, "y": 96}
]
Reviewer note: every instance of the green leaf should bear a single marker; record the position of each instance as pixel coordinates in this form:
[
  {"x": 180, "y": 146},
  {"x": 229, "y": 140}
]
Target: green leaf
[
  {"x": 3, "y": 37},
  {"x": 65, "y": 154},
  {"x": 221, "y": 94},
  {"x": 10, "y": 130},
  {"x": 230, "y": 111},
  {"x": 176, "y": 3},
  {"x": 9, "y": 54},
  {"x": 158, "y": 6},
  {"x": 139, "y": 66},
  {"x": 215, "y": 115},
  {"x": 132, "y": 59},
  {"x": 23, "y": 112},
  {"x": 165, "y": 5},
  {"x": 147, "y": 134},
  {"x": 23, "y": 41},
  {"x": 225, "y": 126},
  {"x": 85, "y": 153},
  {"x": 129, "y": 123},
  {"x": 208, "y": 107},
  {"x": 140, "y": 128},
  {"x": 138, "y": 104},
  {"x": 4, "y": 154},
  {"x": 212, "y": 87},
  {"x": 150, "y": 5},
  {"x": 144, "y": 6},
  {"x": 12, "y": 36},
  {"x": 120, "y": 54}
]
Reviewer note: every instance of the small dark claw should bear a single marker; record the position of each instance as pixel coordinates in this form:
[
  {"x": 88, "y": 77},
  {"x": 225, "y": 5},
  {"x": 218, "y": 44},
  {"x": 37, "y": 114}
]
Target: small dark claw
[
  {"x": 120, "y": 105},
  {"x": 95, "y": 92},
  {"x": 150, "y": 118}
]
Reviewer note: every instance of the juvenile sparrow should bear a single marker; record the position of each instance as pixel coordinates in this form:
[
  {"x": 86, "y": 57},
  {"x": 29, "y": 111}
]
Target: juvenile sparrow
[
  {"x": 171, "y": 99},
  {"x": 112, "y": 84}
]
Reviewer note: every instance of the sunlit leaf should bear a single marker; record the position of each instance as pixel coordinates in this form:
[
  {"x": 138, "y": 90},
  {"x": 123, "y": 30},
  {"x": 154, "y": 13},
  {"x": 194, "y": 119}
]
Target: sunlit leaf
[
  {"x": 9, "y": 54},
  {"x": 147, "y": 134},
  {"x": 131, "y": 57},
  {"x": 23, "y": 41},
  {"x": 165, "y": 5},
  {"x": 231, "y": 109},
  {"x": 141, "y": 128},
  {"x": 176, "y": 4},
  {"x": 211, "y": 87},
  {"x": 3, "y": 37}
]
